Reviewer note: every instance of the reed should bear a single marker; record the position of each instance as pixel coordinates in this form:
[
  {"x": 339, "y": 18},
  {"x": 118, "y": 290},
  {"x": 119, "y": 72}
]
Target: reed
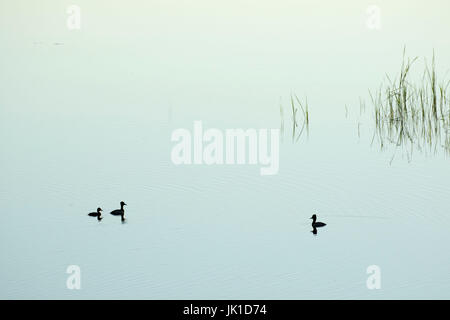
[
  {"x": 299, "y": 117},
  {"x": 412, "y": 114},
  {"x": 305, "y": 116}
]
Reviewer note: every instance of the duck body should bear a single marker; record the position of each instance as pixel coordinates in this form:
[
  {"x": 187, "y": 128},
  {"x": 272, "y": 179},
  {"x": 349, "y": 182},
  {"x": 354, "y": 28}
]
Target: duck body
[
  {"x": 317, "y": 224},
  {"x": 118, "y": 212}
]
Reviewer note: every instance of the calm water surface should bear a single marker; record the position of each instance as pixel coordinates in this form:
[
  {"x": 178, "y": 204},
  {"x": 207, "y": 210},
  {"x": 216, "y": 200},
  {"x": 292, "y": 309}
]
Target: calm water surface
[{"x": 88, "y": 123}]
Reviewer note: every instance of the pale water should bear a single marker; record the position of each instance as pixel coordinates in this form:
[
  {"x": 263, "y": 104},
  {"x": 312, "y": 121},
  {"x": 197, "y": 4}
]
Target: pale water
[{"x": 86, "y": 119}]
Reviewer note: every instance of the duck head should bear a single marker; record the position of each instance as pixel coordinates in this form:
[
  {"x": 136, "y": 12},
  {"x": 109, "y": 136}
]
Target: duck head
[{"x": 314, "y": 217}]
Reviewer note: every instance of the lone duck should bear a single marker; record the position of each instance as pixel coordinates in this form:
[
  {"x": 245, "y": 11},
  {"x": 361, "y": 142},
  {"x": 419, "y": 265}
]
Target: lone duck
[
  {"x": 316, "y": 224},
  {"x": 120, "y": 212},
  {"x": 97, "y": 214}
]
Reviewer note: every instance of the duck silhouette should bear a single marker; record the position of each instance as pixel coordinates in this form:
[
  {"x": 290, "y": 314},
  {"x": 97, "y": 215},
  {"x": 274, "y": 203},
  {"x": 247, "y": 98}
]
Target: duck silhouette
[
  {"x": 97, "y": 214},
  {"x": 120, "y": 212},
  {"x": 316, "y": 224}
]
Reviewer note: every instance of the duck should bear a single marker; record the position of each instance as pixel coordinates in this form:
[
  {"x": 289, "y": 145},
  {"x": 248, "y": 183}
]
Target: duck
[
  {"x": 120, "y": 212},
  {"x": 97, "y": 214},
  {"x": 316, "y": 224}
]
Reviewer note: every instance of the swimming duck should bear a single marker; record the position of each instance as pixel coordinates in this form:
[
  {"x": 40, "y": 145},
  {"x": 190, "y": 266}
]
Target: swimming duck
[
  {"x": 120, "y": 212},
  {"x": 317, "y": 224},
  {"x": 97, "y": 214}
]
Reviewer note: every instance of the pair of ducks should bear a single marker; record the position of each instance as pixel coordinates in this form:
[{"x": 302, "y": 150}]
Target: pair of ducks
[{"x": 119, "y": 212}]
